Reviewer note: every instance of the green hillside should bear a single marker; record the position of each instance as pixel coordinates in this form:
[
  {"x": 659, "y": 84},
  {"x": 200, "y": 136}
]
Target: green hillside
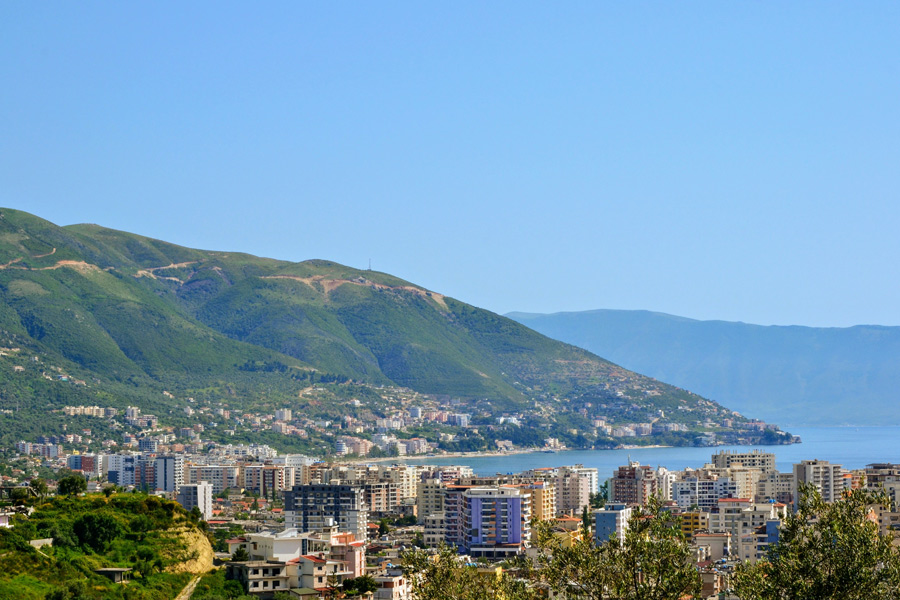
[
  {"x": 132, "y": 317},
  {"x": 155, "y": 538}
]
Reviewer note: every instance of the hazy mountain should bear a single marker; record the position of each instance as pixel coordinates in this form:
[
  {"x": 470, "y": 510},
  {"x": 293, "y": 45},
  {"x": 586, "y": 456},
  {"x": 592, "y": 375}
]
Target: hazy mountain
[
  {"x": 796, "y": 375},
  {"x": 140, "y": 316}
]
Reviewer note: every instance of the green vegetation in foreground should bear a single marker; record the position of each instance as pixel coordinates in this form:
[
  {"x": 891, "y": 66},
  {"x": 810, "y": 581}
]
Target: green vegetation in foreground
[
  {"x": 137, "y": 531},
  {"x": 214, "y": 586},
  {"x": 826, "y": 552},
  {"x": 654, "y": 545}
]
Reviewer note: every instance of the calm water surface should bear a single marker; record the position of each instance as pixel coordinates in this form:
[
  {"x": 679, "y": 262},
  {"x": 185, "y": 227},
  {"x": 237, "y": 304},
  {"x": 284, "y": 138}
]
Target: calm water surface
[{"x": 852, "y": 447}]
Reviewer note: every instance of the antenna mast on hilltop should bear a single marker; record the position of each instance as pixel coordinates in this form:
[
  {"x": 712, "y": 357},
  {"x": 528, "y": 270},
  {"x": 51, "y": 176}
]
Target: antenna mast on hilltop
[{"x": 370, "y": 264}]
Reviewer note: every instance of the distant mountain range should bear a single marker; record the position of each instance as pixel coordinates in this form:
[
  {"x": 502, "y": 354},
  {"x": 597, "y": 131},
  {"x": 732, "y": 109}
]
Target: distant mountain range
[
  {"x": 133, "y": 317},
  {"x": 795, "y": 375}
]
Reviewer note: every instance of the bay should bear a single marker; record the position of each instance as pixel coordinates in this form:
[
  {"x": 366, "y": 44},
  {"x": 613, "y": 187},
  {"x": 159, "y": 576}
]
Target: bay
[{"x": 852, "y": 447}]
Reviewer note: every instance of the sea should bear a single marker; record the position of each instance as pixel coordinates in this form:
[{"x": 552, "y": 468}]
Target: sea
[{"x": 851, "y": 447}]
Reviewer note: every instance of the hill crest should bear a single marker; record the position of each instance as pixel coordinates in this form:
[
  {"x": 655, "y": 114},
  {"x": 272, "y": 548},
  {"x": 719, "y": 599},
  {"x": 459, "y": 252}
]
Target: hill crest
[{"x": 123, "y": 309}]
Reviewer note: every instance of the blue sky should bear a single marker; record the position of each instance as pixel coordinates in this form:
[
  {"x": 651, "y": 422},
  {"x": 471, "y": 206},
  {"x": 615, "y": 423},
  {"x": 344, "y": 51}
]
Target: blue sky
[{"x": 734, "y": 161}]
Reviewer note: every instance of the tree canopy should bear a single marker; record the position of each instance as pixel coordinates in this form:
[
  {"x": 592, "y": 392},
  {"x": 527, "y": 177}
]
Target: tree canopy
[
  {"x": 652, "y": 563},
  {"x": 827, "y": 551},
  {"x": 240, "y": 554},
  {"x": 444, "y": 577},
  {"x": 72, "y": 485},
  {"x": 95, "y": 530},
  {"x": 359, "y": 586}
]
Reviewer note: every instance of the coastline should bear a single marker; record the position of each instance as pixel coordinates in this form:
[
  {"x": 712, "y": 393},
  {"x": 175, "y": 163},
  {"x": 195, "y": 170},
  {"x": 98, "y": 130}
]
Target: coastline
[
  {"x": 638, "y": 446},
  {"x": 850, "y": 447},
  {"x": 484, "y": 454}
]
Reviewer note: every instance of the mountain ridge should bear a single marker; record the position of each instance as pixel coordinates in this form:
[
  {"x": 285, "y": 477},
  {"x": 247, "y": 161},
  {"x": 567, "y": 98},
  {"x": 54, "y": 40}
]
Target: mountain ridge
[
  {"x": 785, "y": 373},
  {"x": 143, "y": 314}
]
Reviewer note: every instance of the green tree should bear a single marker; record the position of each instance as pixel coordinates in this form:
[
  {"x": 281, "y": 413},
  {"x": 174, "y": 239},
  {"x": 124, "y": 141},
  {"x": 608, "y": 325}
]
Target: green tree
[
  {"x": 652, "y": 563},
  {"x": 39, "y": 486},
  {"x": 18, "y": 494},
  {"x": 147, "y": 562},
  {"x": 443, "y": 576},
  {"x": 96, "y": 530},
  {"x": 598, "y": 500},
  {"x": 72, "y": 485},
  {"x": 360, "y": 586},
  {"x": 74, "y": 590},
  {"x": 826, "y": 551},
  {"x": 62, "y": 534},
  {"x": 585, "y": 522},
  {"x": 240, "y": 555}
]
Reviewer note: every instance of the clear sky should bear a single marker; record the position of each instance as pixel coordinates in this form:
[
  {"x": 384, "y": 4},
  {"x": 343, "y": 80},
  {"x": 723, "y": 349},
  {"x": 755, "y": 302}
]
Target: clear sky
[{"x": 718, "y": 160}]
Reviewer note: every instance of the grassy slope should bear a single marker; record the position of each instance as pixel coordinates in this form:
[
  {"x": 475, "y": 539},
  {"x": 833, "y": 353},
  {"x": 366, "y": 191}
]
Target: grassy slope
[
  {"x": 147, "y": 531},
  {"x": 100, "y": 316}
]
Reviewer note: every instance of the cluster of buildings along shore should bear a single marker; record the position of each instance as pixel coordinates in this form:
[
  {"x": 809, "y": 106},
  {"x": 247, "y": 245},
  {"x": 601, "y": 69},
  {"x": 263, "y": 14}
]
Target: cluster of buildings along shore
[
  {"x": 308, "y": 525},
  {"x": 439, "y": 424}
]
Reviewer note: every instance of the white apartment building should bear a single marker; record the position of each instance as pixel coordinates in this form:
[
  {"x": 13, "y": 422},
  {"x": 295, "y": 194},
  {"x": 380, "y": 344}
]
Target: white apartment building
[
  {"x": 120, "y": 469},
  {"x": 740, "y": 518},
  {"x": 703, "y": 492},
  {"x": 574, "y": 485},
  {"x": 828, "y": 478},
  {"x": 405, "y": 477},
  {"x": 429, "y": 499},
  {"x": 169, "y": 472},
  {"x": 775, "y": 486},
  {"x": 434, "y": 530},
  {"x": 200, "y": 495},
  {"x": 221, "y": 477},
  {"x": 764, "y": 461},
  {"x": 665, "y": 479},
  {"x": 268, "y": 480}
]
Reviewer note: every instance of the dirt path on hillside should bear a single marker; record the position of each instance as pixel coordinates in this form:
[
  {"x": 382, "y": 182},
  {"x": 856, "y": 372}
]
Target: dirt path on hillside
[
  {"x": 188, "y": 590},
  {"x": 151, "y": 271},
  {"x": 78, "y": 265},
  {"x": 172, "y": 266},
  {"x": 10, "y": 263},
  {"x": 329, "y": 285}
]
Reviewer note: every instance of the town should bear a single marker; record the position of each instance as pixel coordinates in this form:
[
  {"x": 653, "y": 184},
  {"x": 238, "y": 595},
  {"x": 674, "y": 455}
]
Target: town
[{"x": 292, "y": 522}]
